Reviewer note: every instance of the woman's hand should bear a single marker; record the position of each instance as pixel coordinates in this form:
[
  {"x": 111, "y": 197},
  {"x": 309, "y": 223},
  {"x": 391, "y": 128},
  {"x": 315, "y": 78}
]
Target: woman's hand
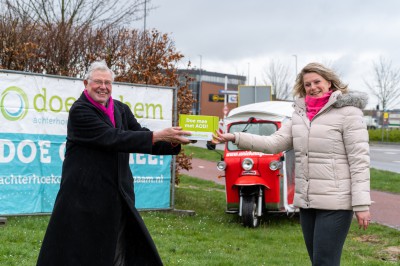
[
  {"x": 222, "y": 138},
  {"x": 363, "y": 219}
]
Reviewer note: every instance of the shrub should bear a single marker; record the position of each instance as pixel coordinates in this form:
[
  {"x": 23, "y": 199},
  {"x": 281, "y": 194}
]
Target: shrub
[{"x": 386, "y": 135}]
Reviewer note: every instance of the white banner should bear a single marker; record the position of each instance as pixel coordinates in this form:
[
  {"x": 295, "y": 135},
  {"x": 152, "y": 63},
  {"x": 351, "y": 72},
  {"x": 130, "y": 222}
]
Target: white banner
[{"x": 33, "y": 126}]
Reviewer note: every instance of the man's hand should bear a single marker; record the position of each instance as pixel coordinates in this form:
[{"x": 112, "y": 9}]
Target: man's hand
[{"x": 172, "y": 134}]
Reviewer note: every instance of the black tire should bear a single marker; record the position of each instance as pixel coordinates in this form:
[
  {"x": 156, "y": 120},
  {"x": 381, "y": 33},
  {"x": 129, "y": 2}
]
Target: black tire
[
  {"x": 249, "y": 212},
  {"x": 211, "y": 146}
]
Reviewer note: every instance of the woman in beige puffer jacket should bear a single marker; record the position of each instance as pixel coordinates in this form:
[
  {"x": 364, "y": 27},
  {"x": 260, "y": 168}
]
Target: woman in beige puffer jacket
[{"x": 330, "y": 140}]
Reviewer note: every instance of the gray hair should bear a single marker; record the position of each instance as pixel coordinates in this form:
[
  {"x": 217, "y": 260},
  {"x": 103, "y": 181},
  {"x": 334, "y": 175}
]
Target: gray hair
[{"x": 98, "y": 66}]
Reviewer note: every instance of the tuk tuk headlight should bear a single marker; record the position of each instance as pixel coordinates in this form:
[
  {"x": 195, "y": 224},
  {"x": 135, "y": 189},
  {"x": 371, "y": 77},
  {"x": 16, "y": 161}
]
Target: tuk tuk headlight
[
  {"x": 247, "y": 164},
  {"x": 275, "y": 165},
  {"x": 221, "y": 165}
]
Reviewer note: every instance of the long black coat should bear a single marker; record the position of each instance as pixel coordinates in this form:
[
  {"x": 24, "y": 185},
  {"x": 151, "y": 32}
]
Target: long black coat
[{"x": 96, "y": 191}]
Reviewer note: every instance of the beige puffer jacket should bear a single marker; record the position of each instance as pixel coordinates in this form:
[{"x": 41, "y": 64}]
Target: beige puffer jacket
[{"x": 332, "y": 153}]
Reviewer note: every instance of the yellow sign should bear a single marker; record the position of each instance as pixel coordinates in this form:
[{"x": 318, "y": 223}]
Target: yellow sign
[
  {"x": 216, "y": 98},
  {"x": 202, "y": 127}
]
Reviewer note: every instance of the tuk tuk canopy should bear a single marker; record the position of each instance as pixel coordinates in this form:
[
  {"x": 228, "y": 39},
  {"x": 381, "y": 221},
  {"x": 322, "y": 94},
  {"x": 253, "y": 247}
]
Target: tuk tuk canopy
[{"x": 270, "y": 110}]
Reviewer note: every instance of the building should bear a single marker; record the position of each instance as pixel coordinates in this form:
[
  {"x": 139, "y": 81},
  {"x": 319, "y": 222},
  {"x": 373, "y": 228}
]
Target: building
[{"x": 207, "y": 87}]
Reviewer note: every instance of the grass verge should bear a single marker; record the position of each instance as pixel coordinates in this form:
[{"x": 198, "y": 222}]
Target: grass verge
[
  {"x": 212, "y": 237},
  {"x": 385, "y": 181},
  {"x": 204, "y": 154}
]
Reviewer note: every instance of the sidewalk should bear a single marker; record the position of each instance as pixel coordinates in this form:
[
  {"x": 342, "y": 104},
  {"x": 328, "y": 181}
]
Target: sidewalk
[{"x": 385, "y": 208}]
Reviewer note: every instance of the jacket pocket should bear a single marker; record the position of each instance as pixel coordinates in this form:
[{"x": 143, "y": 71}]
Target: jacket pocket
[{"x": 334, "y": 173}]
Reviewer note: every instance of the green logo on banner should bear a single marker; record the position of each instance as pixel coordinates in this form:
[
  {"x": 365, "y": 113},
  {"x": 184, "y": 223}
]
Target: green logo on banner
[{"x": 18, "y": 110}]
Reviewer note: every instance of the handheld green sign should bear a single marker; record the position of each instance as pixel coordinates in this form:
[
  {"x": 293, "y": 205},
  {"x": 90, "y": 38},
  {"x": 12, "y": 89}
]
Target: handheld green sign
[{"x": 202, "y": 127}]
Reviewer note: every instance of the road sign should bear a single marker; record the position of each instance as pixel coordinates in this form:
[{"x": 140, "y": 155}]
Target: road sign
[
  {"x": 254, "y": 94},
  {"x": 385, "y": 115},
  {"x": 228, "y": 92},
  {"x": 225, "y": 110}
]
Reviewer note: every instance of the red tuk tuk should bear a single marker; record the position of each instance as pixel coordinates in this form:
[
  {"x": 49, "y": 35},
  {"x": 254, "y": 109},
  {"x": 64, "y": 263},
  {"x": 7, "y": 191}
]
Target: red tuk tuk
[{"x": 255, "y": 182}]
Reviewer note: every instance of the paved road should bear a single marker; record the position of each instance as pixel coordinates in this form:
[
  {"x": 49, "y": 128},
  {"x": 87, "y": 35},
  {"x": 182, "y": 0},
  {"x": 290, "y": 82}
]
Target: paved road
[
  {"x": 385, "y": 157},
  {"x": 385, "y": 208}
]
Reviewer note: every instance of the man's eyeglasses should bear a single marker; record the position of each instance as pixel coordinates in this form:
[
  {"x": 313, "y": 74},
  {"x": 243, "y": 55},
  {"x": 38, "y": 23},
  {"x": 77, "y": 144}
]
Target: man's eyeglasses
[{"x": 98, "y": 82}]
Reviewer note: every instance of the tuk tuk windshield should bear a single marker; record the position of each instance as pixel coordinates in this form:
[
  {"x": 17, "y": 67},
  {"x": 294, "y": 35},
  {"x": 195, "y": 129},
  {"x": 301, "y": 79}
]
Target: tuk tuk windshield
[{"x": 262, "y": 129}]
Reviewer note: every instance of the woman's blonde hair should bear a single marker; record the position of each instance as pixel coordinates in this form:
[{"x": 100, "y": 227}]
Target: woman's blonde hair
[{"x": 326, "y": 73}]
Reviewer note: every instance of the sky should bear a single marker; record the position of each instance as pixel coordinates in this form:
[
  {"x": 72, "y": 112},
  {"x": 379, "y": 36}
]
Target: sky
[{"x": 242, "y": 37}]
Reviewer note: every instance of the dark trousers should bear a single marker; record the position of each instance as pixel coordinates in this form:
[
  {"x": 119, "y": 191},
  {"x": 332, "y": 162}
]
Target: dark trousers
[{"x": 324, "y": 233}]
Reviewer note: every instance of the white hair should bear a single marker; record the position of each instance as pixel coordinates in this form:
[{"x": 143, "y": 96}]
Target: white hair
[{"x": 98, "y": 65}]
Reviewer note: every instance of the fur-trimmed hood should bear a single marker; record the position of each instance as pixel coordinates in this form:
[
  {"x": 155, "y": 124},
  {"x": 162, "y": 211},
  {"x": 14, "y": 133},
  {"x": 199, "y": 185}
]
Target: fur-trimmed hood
[
  {"x": 353, "y": 98},
  {"x": 357, "y": 99}
]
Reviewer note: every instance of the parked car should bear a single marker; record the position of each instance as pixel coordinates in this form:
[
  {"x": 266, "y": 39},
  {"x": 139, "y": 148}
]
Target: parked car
[{"x": 372, "y": 123}]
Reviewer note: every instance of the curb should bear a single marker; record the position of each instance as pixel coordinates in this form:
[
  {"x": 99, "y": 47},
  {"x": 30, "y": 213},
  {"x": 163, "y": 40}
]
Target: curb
[{"x": 3, "y": 221}]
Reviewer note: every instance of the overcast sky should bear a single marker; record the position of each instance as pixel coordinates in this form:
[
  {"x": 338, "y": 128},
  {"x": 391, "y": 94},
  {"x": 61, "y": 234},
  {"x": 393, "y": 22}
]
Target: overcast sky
[{"x": 241, "y": 37}]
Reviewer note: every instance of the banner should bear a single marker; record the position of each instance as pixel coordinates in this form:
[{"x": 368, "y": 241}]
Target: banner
[{"x": 33, "y": 126}]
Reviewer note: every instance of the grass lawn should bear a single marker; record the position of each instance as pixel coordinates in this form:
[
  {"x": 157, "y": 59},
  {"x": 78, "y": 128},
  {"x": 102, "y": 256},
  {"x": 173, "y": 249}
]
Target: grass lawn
[
  {"x": 202, "y": 153},
  {"x": 212, "y": 237},
  {"x": 385, "y": 181}
]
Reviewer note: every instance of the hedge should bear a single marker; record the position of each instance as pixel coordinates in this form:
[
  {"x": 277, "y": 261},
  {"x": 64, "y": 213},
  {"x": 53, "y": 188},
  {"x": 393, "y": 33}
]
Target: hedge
[{"x": 388, "y": 135}]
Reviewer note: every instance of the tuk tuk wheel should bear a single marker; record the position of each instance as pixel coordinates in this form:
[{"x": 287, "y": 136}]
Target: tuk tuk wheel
[{"x": 249, "y": 212}]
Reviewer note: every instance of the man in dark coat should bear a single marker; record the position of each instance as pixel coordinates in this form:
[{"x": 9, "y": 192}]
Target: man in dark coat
[{"x": 94, "y": 220}]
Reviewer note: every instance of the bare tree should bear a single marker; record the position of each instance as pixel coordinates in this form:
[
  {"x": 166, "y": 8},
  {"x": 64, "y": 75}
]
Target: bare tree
[
  {"x": 385, "y": 84},
  {"x": 278, "y": 76},
  {"x": 17, "y": 44},
  {"x": 63, "y": 37},
  {"x": 78, "y": 12},
  {"x": 63, "y": 28}
]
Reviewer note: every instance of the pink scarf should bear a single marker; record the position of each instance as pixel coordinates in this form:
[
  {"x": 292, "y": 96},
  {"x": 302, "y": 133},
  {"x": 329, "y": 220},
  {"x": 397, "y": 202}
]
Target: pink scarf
[
  {"x": 314, "y": 105},
  {"x": 108, "y": 111}
]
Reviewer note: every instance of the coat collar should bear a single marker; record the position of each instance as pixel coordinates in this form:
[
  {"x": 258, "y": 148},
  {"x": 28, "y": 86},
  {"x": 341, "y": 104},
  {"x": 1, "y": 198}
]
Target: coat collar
[
  {"x": 117, "y": 115},
  {"x": 301, "y": 104},
  {"x": 337, "y": 100},
  {"x": 117, "y": 112}
]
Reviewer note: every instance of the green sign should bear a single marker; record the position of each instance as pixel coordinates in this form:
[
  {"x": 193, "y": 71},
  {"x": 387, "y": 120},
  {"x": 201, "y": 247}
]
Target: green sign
[{"x": 202, "y": 127}]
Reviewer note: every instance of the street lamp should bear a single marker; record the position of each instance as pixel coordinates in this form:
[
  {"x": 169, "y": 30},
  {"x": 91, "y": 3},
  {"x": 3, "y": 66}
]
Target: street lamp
[
  {"x": 144, "y": 17},
  {"x": 199, "y": 96},
  {"x": 248, "y": 74}
]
